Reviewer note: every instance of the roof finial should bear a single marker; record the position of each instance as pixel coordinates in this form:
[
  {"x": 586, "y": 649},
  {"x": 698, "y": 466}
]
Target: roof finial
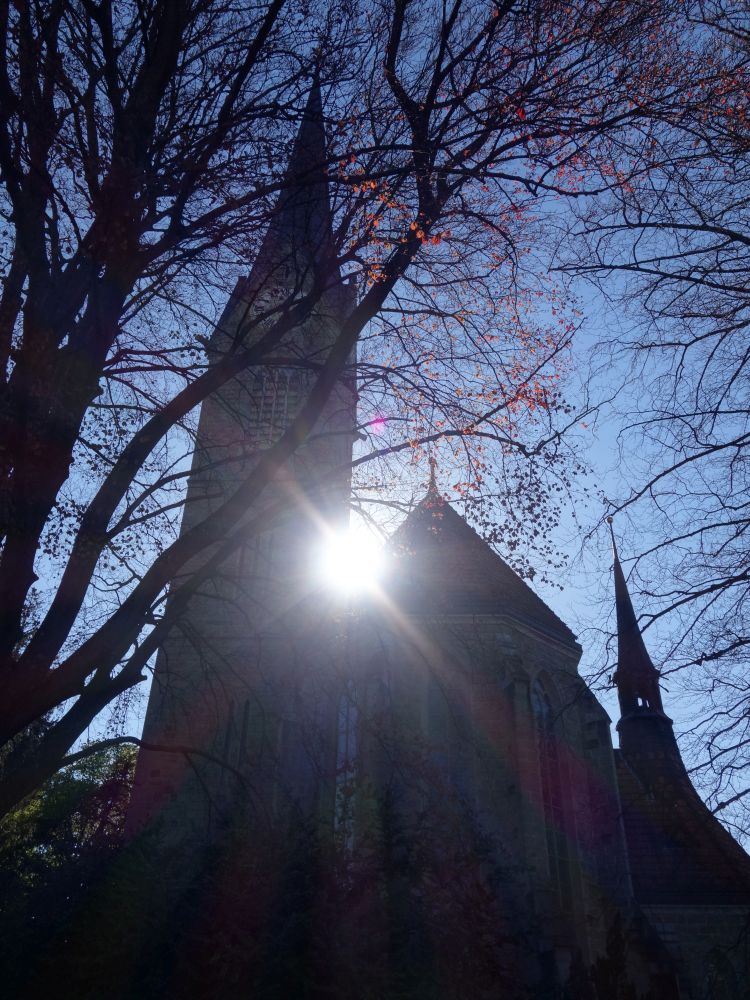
[{"x": 432, "y": 485}]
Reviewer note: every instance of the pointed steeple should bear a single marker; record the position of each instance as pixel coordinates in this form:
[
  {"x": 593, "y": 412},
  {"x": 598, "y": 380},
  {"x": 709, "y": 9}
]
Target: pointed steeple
[
  {"x": 300, "y": 234},
  {"x": 643, "y": 724},
  {"x": 432, "y": 486},
  {"x": 636, "y": 677}
]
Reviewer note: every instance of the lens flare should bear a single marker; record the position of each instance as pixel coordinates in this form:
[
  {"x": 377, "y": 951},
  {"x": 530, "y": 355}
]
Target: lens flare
[{"x": 351, "y": 562}]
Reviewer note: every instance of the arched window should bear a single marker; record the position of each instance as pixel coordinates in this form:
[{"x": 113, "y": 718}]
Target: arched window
[{"x": 552, "y": 794}]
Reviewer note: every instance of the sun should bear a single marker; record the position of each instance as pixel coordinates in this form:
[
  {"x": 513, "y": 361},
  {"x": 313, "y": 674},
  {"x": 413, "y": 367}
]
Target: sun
[{"x": 351, "y": 562}]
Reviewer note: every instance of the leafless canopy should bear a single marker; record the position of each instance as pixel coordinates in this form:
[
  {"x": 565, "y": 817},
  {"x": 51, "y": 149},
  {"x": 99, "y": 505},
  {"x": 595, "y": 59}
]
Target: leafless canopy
[
  {"x": 672, "y": 244},
  {"x": 143, "y": 144}
]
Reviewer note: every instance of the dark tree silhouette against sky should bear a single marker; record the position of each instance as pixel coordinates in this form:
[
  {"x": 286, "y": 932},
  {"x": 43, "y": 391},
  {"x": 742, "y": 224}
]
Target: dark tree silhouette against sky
[{"x": 142, "y": 148}]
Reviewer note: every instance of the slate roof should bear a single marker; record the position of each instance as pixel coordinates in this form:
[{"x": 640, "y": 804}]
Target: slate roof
[
  {"x": 679, "y": 852},
  {"x": 443, "y": 566}
]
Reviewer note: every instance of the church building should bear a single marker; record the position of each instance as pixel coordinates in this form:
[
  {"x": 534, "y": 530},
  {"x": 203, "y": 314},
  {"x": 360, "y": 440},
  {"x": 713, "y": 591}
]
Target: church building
[{"x": 433, "y": 738}]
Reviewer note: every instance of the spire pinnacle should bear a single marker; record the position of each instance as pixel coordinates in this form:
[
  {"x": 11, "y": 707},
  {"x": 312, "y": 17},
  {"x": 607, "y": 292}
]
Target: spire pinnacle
[
  {"x": 299, "y": 239},
  {"x": 432, "y": 485},
  {"x": 636, "y": 677}
]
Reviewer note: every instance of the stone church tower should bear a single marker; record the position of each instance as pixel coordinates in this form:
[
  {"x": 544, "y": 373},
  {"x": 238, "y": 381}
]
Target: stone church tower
[
  {"x": 458, "y": 773},
  {"x": 211, "y": 688}
]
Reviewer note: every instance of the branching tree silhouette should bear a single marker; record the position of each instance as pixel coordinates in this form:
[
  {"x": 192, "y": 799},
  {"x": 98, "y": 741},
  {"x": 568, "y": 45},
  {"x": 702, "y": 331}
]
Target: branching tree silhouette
[
  {"x": 673, "y": 244},
  {"x": 142, "y": 147}
]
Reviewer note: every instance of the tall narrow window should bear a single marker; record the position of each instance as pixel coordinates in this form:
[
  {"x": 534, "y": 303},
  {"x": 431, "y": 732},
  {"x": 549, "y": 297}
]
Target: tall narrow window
[
  {"x": 552, "y": 795},
  {"x": 346, "y": 763}
]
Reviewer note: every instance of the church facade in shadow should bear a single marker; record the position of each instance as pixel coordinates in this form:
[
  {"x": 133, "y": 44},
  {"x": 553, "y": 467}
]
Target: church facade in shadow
[{"x": 415, "y": 794}]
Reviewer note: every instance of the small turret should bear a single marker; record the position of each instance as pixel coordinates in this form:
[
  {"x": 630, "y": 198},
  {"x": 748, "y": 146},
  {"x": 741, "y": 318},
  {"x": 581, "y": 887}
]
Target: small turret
[
  {"x": 679, "y": 853},
  {"x": 643, "y": 726}
]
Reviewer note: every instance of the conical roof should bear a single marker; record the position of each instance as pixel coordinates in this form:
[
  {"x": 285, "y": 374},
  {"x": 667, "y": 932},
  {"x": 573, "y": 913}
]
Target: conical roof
[{"x": 441, "y": 565}]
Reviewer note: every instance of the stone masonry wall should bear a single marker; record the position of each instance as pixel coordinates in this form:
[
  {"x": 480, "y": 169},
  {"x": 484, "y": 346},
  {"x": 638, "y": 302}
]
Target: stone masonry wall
[{"x": 710, "y": 947}]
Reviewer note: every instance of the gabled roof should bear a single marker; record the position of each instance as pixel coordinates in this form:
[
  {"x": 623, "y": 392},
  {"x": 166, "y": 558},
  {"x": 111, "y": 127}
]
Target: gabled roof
[{"x": 443, "y": 566}]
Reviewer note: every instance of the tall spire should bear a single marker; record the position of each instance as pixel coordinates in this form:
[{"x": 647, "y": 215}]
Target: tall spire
[
  {"x": 643, "y": 726},
  {"x": 636, "y": 677},
  {"x": 300, "y": 233}
]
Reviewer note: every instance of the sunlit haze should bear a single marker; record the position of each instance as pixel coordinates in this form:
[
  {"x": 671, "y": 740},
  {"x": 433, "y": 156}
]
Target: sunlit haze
[{"x": 351, "y": 562}]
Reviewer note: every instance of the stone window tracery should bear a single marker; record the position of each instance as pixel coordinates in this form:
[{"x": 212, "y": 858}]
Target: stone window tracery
[{"x": 550, "y": 774}]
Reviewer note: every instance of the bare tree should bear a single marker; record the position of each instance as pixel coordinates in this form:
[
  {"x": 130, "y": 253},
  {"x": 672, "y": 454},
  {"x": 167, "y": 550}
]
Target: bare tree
[
  {"x": 142, "y": 146},
  {"x": 672, "y": 244}
]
